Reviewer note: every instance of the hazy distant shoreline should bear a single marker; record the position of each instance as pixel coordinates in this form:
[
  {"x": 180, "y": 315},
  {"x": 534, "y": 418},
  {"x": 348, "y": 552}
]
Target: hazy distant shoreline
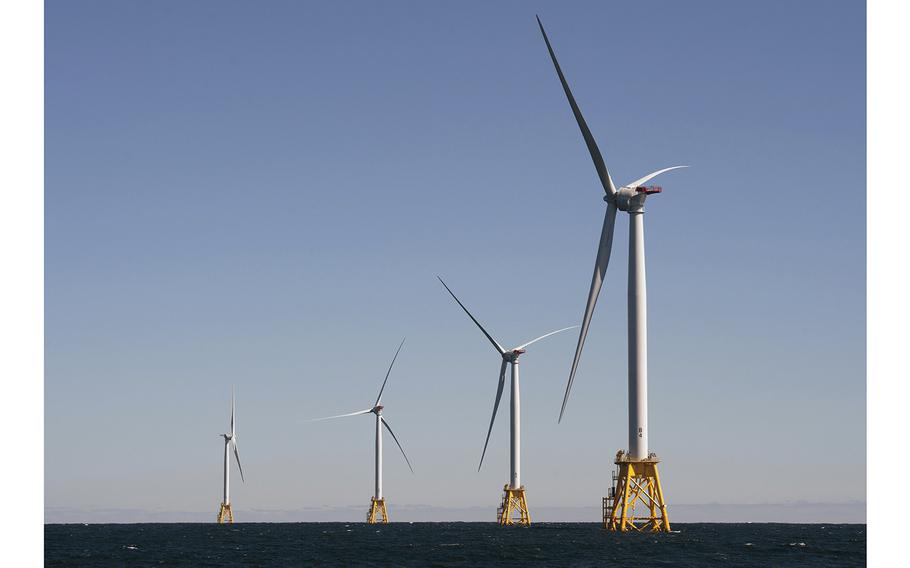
[{"x": 788, "y": 513}]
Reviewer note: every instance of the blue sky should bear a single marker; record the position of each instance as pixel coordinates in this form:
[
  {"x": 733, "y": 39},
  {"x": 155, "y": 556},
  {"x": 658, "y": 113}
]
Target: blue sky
[{"x": 261, "y": 196}]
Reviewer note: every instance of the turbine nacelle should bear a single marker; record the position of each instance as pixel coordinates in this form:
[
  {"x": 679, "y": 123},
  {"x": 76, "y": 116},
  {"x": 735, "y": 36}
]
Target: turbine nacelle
[
  {"x": 377, "y": 410},
  {"x": 632, "y": 199},
  {"x": 512, "y": 356}
]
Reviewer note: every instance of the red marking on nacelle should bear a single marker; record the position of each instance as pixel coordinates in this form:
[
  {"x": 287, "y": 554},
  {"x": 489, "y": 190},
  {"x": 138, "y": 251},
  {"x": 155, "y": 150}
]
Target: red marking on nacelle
[{"x": 649, "y": 189}]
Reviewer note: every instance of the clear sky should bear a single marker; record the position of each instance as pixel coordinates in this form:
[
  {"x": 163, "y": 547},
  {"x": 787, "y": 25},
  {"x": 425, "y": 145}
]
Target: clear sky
[{"x": 261, "y": 195}]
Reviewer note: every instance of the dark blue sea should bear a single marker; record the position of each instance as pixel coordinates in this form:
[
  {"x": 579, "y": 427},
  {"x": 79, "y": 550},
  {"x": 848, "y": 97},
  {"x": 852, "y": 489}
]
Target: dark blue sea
[{"x": 451, "y": 544}]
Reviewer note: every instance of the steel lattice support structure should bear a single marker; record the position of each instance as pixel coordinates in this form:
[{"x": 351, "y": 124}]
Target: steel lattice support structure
[
  {"x": 514, "y": 508},
  {"x": 225, "y": 515},
  {"x": 637, "y": 483},
  {"x": 377, "y": 513}
]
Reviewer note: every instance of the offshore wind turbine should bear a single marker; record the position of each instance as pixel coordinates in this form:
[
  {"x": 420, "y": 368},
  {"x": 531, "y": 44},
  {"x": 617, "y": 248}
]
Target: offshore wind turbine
[
  {"x": 638, "y": 479},
  {"x": 513, "y": 500},
  {"x": 378, "y": 512},
  {"x": 230, "y": 443}
]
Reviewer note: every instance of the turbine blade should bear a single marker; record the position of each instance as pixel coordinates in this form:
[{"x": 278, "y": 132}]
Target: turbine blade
[
  {"x": 232, "y": 411},
  {"x": 502, "y": 382},
  {"x": 498, "y": 347},
  {"x": 389, "y": 428},
  {"x": 237, "y": 457},
  {"x": 545, "y": 336},
  {"x": 599, "y": 164},
  {"x": 600, "y": 267},
  {"x": 367, "y": 411},
  {"x": 638, "y": 182},
  {"x": 378, "y": 398}
]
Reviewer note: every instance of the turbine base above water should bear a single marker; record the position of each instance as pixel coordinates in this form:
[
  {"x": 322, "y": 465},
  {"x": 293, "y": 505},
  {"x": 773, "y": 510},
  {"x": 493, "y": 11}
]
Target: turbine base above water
[
  {"x": 378, "y": 514},
  {"x": 514, "y": 507},
  {"x": 635, "y": 483},
  {"x": 225, "y": 515}
]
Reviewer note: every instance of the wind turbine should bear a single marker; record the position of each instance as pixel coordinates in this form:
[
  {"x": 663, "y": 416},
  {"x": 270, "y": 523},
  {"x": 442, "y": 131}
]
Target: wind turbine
[
  {"x": 230, "y": 442},
  {"x": 378, "y": 512},
  {"x": 638, "y": 477},
  {"x": 513, "y": 501}
]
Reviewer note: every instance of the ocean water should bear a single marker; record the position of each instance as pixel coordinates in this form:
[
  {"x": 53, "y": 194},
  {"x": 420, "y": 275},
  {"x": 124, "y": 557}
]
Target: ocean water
[{"x": 451, "y": 544}]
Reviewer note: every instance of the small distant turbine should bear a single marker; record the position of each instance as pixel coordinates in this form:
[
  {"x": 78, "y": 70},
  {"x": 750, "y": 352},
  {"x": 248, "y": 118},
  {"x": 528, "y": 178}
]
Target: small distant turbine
[
  {"x": 638, "y": 478},
  {"x": 514, "y": 501},
  {"x": 378, "y": 512},
  {"x": 230, "y": 442}
]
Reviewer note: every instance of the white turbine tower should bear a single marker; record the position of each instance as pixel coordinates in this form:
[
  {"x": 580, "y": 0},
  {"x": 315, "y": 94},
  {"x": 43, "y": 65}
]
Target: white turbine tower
[
  {"x": 378, "y": 512},
  {"x": 225, "y": 514},
  {"x": 513, "y": 501},
  {"x": 638, "y": 479}
]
